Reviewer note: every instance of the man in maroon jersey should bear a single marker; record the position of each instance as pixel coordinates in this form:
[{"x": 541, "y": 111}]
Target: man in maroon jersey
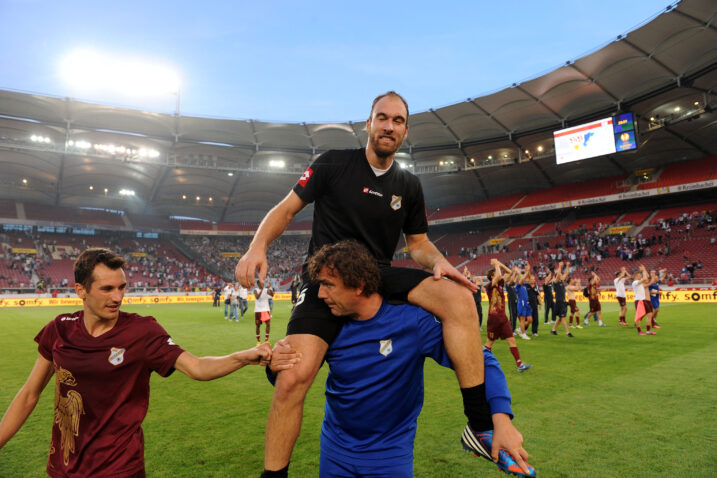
[
  {"x": 102, "y": 359},
  {"x": 498, "y": 325}
]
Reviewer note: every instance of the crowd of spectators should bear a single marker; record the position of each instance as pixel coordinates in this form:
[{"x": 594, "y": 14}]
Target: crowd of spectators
[{"x": 285, "y": 255}]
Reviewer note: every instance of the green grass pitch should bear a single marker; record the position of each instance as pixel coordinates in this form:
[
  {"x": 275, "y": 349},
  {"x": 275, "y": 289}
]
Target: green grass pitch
[{"x": 605, "y": 404}]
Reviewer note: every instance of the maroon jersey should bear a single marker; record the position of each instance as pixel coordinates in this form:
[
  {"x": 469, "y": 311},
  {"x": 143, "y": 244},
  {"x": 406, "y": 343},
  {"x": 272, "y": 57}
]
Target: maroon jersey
[
  {"x": 496, "y": 298},
  {"x": 102, "y": 392},
  {"x": 593, "y": 291}
]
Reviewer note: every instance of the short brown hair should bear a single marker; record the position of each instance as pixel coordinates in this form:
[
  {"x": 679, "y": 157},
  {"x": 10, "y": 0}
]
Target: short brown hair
[
  {"x": 383, "y": 95},
  {"x": 88, "y": 260},
  {"x": 350, "y": 261}
]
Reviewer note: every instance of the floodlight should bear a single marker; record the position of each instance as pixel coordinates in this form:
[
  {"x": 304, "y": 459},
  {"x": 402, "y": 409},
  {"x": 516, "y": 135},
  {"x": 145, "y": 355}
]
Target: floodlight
[
  {"x": 126, "y": 192},
  {"x": 276, "y": 163},
  {"x": 24, "y": 180},
  {"x": 89, "y": 69}
]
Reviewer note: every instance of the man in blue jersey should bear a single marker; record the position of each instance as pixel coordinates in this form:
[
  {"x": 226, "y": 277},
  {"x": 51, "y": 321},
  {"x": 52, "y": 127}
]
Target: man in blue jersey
[
  {"x": 374, "y": 390},
  {"x": 654, "y": 288}
]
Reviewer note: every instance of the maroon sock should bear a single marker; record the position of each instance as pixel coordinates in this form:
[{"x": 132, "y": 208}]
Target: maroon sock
[
  {"x": 516, "y": 355},
  {"x": 639, "y": 329}
]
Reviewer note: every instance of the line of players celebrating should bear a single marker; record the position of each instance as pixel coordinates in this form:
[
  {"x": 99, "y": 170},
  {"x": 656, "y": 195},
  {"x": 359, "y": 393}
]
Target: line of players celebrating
[{"x": 559, "y": 293}]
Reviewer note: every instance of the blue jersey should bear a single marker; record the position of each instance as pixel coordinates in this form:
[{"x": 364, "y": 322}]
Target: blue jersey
[
  {"x": 374, "y": 390},
  {"x": 655, "y": 295}
]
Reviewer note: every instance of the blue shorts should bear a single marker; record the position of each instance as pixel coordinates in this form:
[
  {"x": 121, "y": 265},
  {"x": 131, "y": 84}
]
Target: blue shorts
[
  {"x": 331, "y": 467},
  {"x": 524, "y": 310},
  {"x": 655, "y": 302}
]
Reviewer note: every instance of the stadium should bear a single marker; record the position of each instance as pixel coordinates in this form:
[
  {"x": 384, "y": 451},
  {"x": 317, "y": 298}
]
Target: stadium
[{"x": 180, "y": 198}]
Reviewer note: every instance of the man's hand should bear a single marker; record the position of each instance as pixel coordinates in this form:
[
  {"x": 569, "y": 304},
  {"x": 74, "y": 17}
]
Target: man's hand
[
  {"x": 507, "y": 437},
  {"x": 444, "y": 268},
  {"x": 283, "y": 356},
  {"x": 259, "y": 355},
  {"x": 246, "y": 268}
]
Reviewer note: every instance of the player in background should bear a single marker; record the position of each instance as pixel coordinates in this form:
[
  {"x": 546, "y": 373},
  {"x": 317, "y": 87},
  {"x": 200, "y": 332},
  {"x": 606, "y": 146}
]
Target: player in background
[
  {"x": 561, "y": 307},
  {"x": 374, "y": 390},
  {"x": 478, "y": 297},
  {"x": 549, "y": 297},
  {"x": 498, "y": 325},
  {"x": 573, "y": 287},
  {"x": 620, "y": 295},
  {"x": 102, "y": 359},
  {"x": 262, "y": 310},
  {"x": 525, "y": 312},
  {"x": 295, "y": 284},
  {"x": 511, "y": 280},
  {"x": 594, "y": 300},
  {"x": 234, "y": 296},
  {"x": 534, "y": 301},
  {"x": 640, "y": 282},
  {"x": 227, "y": 292},
  {"x": 243, "y": 299},
  {"x": 652, "y": 279},
  {"x": 270, "y": 288},
  {"x": 654, "y": 289}
]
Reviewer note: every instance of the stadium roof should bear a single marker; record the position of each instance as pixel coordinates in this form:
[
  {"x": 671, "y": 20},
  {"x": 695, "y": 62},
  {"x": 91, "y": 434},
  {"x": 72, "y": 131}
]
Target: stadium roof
[{"x": 665, "y": 72}]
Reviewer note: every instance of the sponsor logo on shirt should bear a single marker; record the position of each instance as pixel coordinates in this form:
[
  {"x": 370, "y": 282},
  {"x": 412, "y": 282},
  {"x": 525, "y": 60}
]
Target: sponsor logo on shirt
[
  {"x": 395, "y": 202},
  {"x": 68, "y": 318},
  {"x": 385, "y": 347},
  {"x": 371, "y": 191},
  {"x": 305, "y": 177},
  {"x": 116, "y": 356}
]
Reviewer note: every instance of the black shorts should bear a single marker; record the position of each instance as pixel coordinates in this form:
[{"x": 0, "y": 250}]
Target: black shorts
[
  {"x": 312, "y": 316},
  {"x": 561, "y": 309}
]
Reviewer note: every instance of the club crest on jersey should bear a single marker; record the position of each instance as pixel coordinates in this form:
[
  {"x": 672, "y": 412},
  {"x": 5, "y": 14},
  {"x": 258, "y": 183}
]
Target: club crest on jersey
[
  {"x": 116, "y": 356},
  {"x": 386, "y": 347},
  {"x": 305, "y": 177},
  {"x": 395, "y": 202}
]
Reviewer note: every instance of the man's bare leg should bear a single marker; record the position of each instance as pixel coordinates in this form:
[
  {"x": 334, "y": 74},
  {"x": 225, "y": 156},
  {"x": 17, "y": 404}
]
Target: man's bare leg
[
  {"x": 287, "y": 406},
  {"x": 454, "y": 305}
]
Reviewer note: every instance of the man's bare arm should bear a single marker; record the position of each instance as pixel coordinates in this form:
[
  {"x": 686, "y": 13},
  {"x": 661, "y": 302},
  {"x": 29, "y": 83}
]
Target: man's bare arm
[
  {"x": 209, "y": 368},
  {"x": 274, "y": 223},
  {"x": 424, "y": 252},
  {"x": 24, "y": 402}
]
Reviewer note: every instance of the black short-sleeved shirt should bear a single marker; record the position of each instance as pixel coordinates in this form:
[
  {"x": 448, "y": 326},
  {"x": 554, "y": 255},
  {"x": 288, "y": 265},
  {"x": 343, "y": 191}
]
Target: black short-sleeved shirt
[
  {"x": 548, "y": 293},
  {"x": 351, "y": 202},
  {"x": 512, "y": 295},
  {"x": 559, "y": 288},
  {"x": 533, "y": 294}
]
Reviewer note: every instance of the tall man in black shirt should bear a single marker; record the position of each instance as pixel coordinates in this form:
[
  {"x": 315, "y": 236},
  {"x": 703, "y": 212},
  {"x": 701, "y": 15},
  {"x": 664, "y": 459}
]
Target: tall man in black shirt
[
  {"x": 364, "y": 195},
  {"x": 548, "y": 296}
]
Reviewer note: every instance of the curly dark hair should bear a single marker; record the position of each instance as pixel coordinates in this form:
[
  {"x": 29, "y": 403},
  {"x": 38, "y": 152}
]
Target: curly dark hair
[
  {"x": 350, "y": 261},
  {"x": 85, "y": 264}
]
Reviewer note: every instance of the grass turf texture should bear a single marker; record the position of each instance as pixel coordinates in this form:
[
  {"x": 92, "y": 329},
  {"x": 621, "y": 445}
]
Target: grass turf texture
[{"x": 607, "y": 403}]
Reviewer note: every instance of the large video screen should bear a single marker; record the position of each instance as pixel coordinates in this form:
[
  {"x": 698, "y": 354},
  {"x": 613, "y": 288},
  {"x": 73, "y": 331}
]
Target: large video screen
[{"x": 605, "y": 136}]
